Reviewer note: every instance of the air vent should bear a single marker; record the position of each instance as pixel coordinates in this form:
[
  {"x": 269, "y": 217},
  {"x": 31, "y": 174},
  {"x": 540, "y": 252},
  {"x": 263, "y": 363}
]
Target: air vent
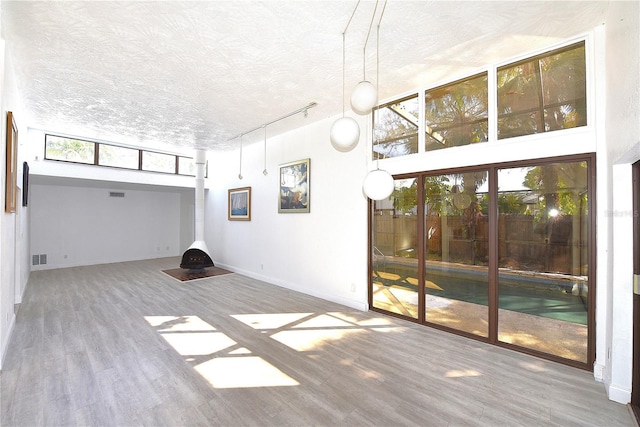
[{"x": 116, "y": 194}]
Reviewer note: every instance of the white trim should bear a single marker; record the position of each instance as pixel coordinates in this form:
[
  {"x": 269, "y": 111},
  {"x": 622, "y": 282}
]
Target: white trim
[
  {"x": 7, "y": 340},
  {"x": 358, "y": 305},
  {"x": 619, "y": 394}
]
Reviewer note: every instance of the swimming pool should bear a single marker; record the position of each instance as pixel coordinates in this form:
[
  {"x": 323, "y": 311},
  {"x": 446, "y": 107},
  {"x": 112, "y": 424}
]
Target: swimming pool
[{"x": 552, "y": 296}]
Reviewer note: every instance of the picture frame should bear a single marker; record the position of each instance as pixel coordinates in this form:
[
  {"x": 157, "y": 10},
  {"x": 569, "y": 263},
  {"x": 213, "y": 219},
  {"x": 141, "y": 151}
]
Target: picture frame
[
  {"x": 239, "y": 204},
  {"x": 11, "y": 171},
  {"x": 294, "y": 187}
]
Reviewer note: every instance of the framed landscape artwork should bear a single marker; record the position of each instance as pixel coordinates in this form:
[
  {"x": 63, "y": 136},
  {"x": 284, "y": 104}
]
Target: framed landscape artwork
[
  {"x": 11, "y": 177},
  {"x": 294, "y": 188},
  {"x": 240, "y": 204}
]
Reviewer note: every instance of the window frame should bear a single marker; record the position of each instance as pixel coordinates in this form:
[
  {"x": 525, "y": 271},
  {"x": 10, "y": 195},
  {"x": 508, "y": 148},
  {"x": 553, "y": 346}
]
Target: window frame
[
  {"x": 491, "y": 70},
  {"x": 493, "y": 231},
  {"x": 141, "y": 151}
]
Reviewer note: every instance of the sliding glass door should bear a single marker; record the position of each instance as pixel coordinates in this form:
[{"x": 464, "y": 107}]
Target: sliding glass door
[
  {"x": 456, "y": 251},
  {"x": 500, "y": 253},
  {"x": 395, "y": 251},
  {"x": 543, "y": 248}
]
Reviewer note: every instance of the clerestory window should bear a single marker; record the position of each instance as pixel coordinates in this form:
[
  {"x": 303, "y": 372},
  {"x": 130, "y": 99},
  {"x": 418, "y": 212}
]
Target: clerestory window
[
  {"x": 101, "y": 154},
  {"x": 543, "y": 93}
]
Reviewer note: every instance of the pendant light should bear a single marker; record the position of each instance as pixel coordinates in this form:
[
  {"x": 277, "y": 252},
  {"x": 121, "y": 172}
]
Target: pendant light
[
  {"x": 345, "y": 132},
  {"x": 378, "y": 184},
  {"x": 365, "y": 96}
]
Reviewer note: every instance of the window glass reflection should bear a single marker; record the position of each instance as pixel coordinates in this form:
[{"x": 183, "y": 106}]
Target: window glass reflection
[
  {"x": 395, "y": 128},
  {"x": 543, "y": 94},
  {"x": 543, "y": 258},
  {"x": 395, "y": 264},
  {"x": 456, "y": 236},
  {"x": 456, "y": 114}
]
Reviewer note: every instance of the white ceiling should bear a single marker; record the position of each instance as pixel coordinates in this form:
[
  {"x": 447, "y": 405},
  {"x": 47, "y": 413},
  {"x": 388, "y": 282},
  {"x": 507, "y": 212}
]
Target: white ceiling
[{"x": 195, "y": 74}]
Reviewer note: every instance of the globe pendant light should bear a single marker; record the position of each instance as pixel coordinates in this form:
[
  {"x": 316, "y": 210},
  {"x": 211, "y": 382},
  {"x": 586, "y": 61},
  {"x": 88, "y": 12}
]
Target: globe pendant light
[
  {"x": 365, "y": 96},
  {"x": 345, "y": 132},
  {"x": 378, "y": 184}
]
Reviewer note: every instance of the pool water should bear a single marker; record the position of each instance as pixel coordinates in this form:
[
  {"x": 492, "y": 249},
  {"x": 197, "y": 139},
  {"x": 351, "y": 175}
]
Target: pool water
[{"x": 539, "y": 297}]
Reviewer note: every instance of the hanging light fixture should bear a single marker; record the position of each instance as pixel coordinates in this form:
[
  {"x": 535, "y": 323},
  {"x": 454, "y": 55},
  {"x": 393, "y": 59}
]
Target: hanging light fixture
[
  {"x": 345, "y": 132},
  {"x": 240, "y": 173},
  {"x": 264, "y": 172},
  {"x": 378, "y": 184},
  {"x": 304, "y": 110},
  {"x": 365, "y": 95}
]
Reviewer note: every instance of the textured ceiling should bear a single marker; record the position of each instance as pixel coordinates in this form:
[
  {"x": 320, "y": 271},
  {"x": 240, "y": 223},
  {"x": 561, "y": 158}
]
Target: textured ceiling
[{"x": 195, "y": 74}]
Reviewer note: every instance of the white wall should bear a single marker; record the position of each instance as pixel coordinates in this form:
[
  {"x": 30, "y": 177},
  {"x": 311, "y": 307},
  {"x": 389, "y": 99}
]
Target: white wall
[
  {"x": 14, "y": 230},
  {"x": 77, "y": 225},
  {"x": 74, "y": 222},
  {"x": 321, "y": 253},
  {"x": 622, "y": 149}
]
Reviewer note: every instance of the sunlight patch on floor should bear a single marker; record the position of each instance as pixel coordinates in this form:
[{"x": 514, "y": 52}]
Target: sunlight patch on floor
[
  {"x": 178, "y": 323},
  {"x": 226, "y": 365},
  {"x": 463, "y": 373},
  {"x": 323, "y": 321},
  {"x": 269, "y": 320},
  {"x": 198, "y": 343},
  {"x": 306, "y": 340},
  {"x": 243, "y": 372}
]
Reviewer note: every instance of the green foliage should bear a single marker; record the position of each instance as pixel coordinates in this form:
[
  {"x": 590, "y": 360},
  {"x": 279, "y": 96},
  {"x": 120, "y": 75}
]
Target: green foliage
[{"x": 70, "y": 149}]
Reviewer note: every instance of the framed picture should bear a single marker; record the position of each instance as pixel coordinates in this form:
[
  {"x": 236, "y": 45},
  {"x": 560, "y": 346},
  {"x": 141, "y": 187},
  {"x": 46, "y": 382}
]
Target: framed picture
[
  {"x": 11, "y": 178},
  {"x": 240, "y": 204},
  {"x": 294, "y": 187}
]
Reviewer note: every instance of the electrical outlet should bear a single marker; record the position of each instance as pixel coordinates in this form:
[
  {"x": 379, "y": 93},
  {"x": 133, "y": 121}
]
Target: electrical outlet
[{"x": 353, "y": 287}]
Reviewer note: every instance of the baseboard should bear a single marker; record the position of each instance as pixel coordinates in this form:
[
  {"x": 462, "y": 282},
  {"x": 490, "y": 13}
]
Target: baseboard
[
  {"x": 7, "y": 340},
  {"x": 619, "y": 394},
  {"x": 355, "y": 304}
]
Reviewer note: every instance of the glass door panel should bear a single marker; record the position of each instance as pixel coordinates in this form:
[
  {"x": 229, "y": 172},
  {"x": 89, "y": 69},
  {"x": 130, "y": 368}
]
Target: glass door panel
[
  {"x": 395, "y": 250},
  {"x": 456, "y": 253},
  {"x": 543, "y": 258}
]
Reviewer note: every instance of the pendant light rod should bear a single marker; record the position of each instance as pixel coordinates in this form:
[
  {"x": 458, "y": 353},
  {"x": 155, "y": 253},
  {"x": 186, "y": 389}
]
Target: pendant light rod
[
  {"x": 265, "y": 152},
  {"x": 299, "y": 110},
  {"x": 352, "y": 15},
  {"x": 384, "y": 6},
  {"x": 364, "y": 49},
  {"x": 343, "y": 61},
  {"x": 240, "y": 172},
  {"x": 344, "y": 34}
]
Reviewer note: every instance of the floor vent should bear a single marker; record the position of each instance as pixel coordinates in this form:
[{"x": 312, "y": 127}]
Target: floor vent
[{"x": 116, "y": 194}]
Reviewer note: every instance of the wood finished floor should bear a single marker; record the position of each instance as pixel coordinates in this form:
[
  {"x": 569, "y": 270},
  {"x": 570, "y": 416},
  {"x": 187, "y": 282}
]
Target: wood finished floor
[{"x": 124, "y": 344}]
